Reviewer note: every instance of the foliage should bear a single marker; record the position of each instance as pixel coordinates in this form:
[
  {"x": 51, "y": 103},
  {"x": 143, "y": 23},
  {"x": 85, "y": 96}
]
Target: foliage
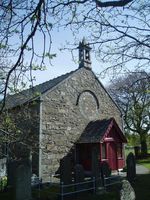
[
  {"x": 3, "y": 183},
  {"x": 131, "y": 94},
  {"x": 17, "y": 139},
  {"x": 133, "y": 139}
]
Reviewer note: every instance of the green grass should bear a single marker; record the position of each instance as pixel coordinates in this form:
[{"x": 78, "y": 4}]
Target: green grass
[
  {"x": 106, "y": 196},
  {"x": 50, "y": 194},
  {"x": 141, "y": 187},
  {"x": 144, "y": 162}
]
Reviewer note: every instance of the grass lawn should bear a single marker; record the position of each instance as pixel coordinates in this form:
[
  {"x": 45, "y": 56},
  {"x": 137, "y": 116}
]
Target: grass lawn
[
  {"x": 141, "y": 187},
  {"x": 49, "y": 196},
  {"x": 144, "y": 162}
]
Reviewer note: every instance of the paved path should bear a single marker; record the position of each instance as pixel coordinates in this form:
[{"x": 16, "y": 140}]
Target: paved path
[{"x": 140, "y": 169}]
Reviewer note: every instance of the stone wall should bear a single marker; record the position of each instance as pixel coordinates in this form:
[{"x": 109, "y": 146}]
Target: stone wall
[{"x": 66, "y": 110}]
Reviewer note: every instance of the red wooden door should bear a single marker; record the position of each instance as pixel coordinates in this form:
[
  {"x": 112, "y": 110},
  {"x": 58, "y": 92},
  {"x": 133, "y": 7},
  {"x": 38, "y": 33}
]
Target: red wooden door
[{"x": 112, "y": 155}]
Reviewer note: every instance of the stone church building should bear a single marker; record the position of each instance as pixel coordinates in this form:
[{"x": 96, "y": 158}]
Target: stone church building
[{"x": 67, "y": 109}]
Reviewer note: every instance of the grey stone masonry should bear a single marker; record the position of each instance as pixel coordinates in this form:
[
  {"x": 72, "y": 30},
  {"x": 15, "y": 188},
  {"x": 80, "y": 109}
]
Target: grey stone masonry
[
  {"x": 127, "y": 191},
  {"x": 65, "y": 112}
]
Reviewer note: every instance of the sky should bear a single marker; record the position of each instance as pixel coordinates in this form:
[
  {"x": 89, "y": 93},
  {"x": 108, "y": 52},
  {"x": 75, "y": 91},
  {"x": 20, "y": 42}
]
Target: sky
[{"x": 64, "y": 62}]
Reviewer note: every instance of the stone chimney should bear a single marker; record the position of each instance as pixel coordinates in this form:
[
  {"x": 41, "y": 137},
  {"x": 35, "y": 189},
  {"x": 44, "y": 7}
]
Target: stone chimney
[{"x": 84, "y": 55}]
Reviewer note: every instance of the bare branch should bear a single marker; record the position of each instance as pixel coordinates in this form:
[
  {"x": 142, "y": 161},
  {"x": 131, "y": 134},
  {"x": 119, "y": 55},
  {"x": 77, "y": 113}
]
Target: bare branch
[{"x": 119, "y": 3}]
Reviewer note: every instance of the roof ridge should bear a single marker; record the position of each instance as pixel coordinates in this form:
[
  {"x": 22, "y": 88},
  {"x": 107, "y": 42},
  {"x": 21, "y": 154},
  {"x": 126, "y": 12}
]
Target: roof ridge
[
  {"x": 35, "y": 91},
  {"x": 32, "y": 88}
]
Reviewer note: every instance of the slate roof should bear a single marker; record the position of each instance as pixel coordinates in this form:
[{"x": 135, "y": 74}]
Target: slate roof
[
  {"x": 95, "y": 131},
  {"x": 34, "y": 92}
]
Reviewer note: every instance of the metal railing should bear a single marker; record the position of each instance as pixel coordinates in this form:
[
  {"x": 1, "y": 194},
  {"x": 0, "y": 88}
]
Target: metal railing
[
  {"x": 112, "y": 180},
  {"x": 80, "y": 187},
  {"x": 75, "y": 188}
]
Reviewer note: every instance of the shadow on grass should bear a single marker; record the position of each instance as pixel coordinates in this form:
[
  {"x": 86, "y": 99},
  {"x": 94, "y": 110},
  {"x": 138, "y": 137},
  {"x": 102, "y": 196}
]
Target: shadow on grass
[
  {"x": 142, "y": 187},
  {"x": 147, "y": 161}
]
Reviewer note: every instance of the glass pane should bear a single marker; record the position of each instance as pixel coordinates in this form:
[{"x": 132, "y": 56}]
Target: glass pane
[{"x": 103, "y": 151}]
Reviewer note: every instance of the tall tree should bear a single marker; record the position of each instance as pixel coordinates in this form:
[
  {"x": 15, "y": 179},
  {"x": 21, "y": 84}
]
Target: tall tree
[
  {"x": 132, "y": 93},
  {"x": 119, "y": 29}
]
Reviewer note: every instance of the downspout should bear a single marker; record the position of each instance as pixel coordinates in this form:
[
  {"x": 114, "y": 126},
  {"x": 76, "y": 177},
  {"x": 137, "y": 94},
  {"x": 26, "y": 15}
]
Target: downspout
[
  {"x": 40, "y": 139},
  {"x": 123, "y": 148}
]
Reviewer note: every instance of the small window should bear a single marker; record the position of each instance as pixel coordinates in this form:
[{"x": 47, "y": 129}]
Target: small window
[
  {"x": 103, "y": 151},
  {"x": 119, "y": 150}
]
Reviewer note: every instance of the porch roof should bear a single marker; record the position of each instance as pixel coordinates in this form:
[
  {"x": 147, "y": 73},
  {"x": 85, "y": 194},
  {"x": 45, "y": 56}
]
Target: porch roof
[{"x": 97, "y": 130}]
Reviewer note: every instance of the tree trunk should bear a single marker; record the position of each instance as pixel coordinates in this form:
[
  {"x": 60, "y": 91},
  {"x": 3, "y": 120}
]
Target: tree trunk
[{"x": 143, "y": 144}]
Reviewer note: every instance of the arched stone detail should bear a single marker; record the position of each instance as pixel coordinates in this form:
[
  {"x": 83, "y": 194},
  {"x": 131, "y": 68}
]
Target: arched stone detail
[{"x": 90, "y": 92}]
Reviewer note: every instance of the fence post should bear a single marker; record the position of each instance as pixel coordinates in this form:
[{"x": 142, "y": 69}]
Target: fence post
[
  {"x": 62, "y": 190},
  {"x": 0, "y": 184},
  {"x": 39, "y": 187},
  {"x": 94, "y": 185},
  {"x": 104, "y": 183}
]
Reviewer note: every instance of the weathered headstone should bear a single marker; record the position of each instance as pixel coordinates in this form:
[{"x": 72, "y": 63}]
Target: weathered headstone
[
  {"x": 127, "y": 192},
  {"x": 66, "y": 170},
  {"x": 79, "y": 173},
  {"x": 131, "y": 167},
  {"x": 105, "y": 169},
  {"x": 19, "y": 179},
  {"x": 79, "y": 176},
  {"x": 95, "y": 162},
  {"x": 23, "y": 181},
  {"x": 96, "y": 173}
]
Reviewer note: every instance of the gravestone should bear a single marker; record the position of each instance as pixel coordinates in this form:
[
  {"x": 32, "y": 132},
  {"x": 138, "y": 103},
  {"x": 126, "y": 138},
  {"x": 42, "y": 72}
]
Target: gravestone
[
  {"x": 96, "y": 172},
  {"x": 105, "y": 169},
  {"x": 95, "y": 162},
  {"x": 66, "y": 170},
  {"x": 79, "y": 173},
  {"x": 127, "y": 192},
  {"x": 131, "y": 167},
  {"x": 19, "y": 179},
  {"x": 23, "y": 181},
  {"x": 79, "y": 176}
]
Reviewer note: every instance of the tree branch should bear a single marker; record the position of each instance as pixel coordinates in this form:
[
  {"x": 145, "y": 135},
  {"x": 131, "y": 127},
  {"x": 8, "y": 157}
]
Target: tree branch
[
  {"x": 31, "y": 35},
  {"x": 119, "y": 3}
]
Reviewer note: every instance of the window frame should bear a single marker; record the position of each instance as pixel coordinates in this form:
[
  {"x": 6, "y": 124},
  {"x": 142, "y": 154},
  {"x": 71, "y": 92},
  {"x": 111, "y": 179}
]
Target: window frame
[{"x": 103, "y": 151}]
